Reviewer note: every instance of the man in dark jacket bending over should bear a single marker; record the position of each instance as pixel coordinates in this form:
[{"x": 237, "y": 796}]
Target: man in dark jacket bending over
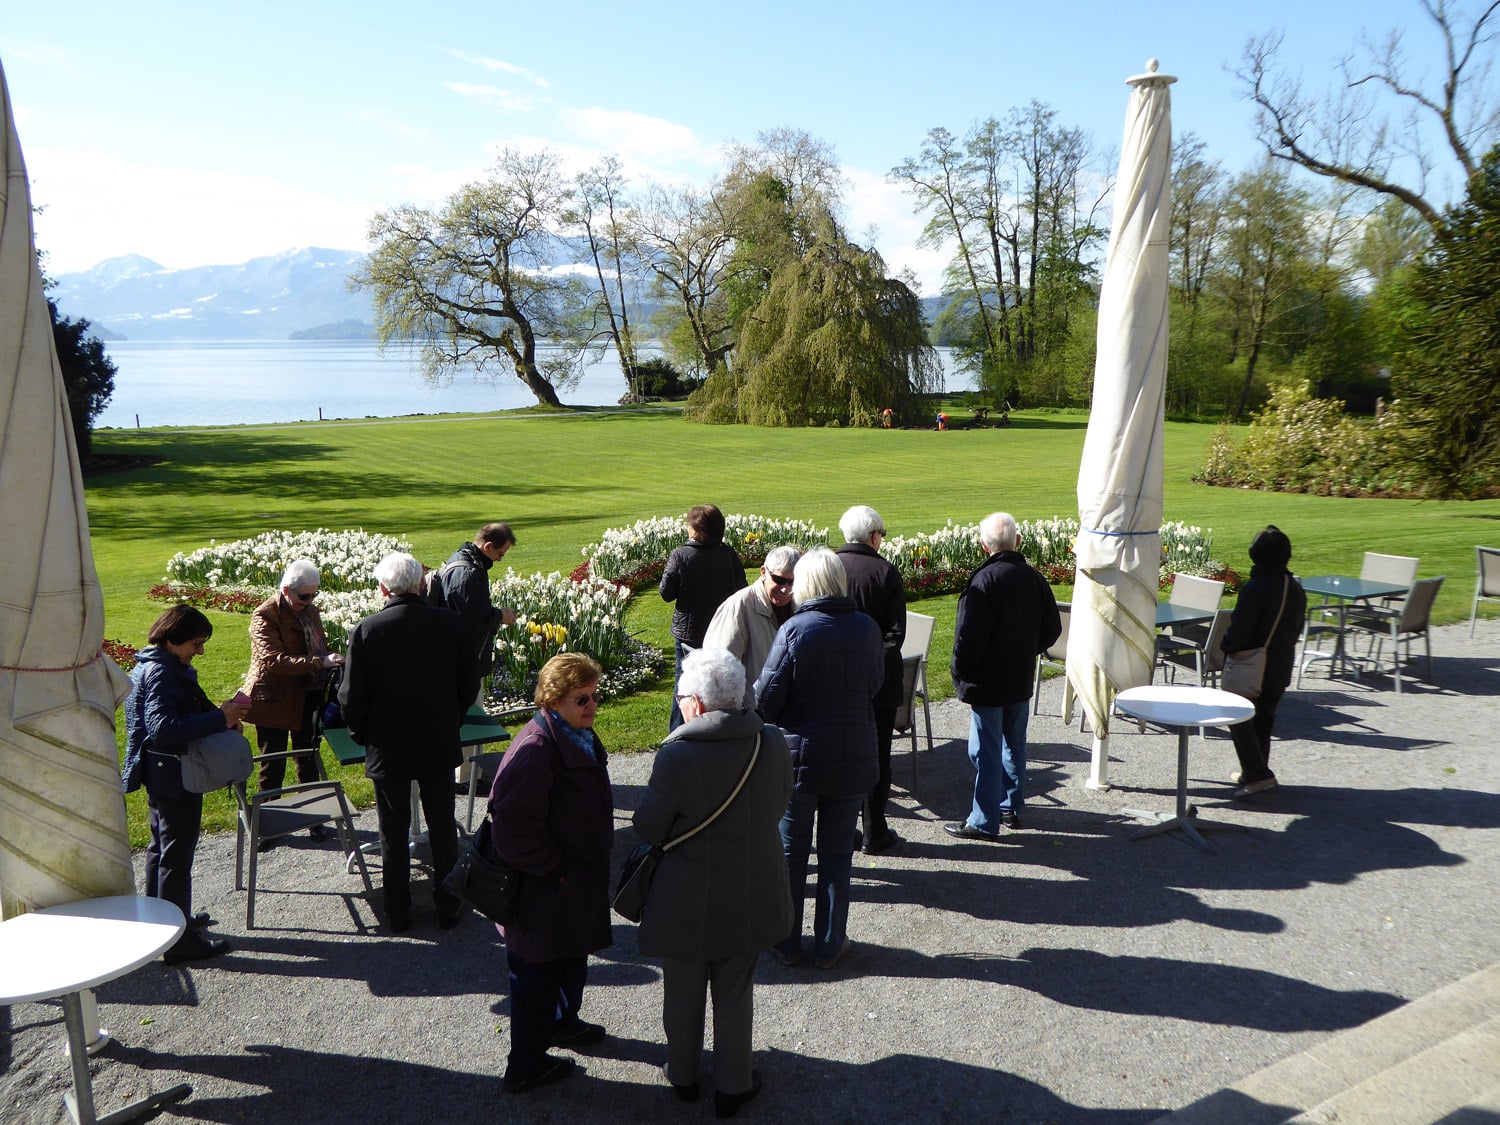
[
  {"x": 1006, "y": 615},
  {"x": 409, "y": 676}
]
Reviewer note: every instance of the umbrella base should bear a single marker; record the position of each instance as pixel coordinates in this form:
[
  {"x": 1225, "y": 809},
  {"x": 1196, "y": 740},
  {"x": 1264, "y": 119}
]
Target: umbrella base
[{"x": 1189, "y": 825}]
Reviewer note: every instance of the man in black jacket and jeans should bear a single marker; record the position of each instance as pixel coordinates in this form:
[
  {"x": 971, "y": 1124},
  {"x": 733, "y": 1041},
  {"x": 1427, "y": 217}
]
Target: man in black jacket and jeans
[
  {"x": 1006, "y": 615},
  {"x": 408, "y": 678},
  {"x": 462, "y": 584},
  {"x": 876, "y": 587}
]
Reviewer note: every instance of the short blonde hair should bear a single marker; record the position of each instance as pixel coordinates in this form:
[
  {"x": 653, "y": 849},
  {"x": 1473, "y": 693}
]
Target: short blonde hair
[
  {"x": 564, "y": 674},
  {"x": 818, "y": 574}
]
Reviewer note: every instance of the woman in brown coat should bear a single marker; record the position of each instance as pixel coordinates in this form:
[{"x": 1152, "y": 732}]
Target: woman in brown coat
[{"x": 289, "y": 668}]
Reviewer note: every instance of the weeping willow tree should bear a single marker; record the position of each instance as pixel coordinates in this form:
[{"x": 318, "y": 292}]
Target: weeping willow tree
[{"x": 833, "y": 342}]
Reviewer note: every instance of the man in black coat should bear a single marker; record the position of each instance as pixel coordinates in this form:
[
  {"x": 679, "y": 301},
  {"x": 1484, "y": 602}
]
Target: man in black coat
[
  {"x": 1006, "y": 615},
  {"x": 876, "y": 587},
  {"x": 409, "y": 676},
  {"x": 462, "y": 584}
]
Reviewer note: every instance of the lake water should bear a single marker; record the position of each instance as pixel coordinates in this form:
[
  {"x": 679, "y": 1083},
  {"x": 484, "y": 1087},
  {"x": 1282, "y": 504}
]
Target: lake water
[{"x": 221, "y": 383}]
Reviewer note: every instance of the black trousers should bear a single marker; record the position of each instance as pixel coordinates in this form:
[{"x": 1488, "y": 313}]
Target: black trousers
[
  {"x": 879, "y": 797},
  {"x": 544, "y": 999},
  {"x": 393, "y": 808},
  {"x": 1252, "y": 740},
  {"x": 175, "y": 823}
]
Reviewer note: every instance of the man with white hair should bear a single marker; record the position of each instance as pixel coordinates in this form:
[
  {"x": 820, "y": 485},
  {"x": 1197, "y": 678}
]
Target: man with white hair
[
  {"x": 745, "y": 623},
  {"x": 877, "y": 589},
  {"x": 409, "y": 677},
  {"x": 1006, "y": 615}
]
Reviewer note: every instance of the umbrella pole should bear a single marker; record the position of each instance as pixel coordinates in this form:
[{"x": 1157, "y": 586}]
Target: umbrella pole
[{"x": 1099, "y": 767}]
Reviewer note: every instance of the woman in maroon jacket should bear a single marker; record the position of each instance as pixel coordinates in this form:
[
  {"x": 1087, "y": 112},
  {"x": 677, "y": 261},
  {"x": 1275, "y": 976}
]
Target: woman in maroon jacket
[{"x": 552, "y": 817}]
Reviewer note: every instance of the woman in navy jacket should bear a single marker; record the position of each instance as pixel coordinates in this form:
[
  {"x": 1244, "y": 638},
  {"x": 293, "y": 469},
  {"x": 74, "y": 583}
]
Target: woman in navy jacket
[
  {"x": 165, "y": 711},
  {"x": 818, "y": 685}
]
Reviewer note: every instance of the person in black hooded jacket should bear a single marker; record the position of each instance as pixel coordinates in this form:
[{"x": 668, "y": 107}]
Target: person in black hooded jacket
[{"x": 1250, "y": 626}]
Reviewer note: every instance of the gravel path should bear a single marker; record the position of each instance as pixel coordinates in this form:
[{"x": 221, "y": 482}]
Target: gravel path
[{"x": 1067, "y": 974}]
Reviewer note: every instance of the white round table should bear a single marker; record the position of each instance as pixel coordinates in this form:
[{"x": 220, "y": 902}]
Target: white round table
[
  {"x": 62, "y": 950},
  {"x": 1182, "y": 707}
]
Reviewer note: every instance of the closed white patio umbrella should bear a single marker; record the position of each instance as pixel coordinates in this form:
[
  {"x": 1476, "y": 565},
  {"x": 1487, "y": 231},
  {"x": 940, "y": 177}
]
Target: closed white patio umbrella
[
  {"x": 1111, "y": 645},
  {"x": 62, "y": 817}
]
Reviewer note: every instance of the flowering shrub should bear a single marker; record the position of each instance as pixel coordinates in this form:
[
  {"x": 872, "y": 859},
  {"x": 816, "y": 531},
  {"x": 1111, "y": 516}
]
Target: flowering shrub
[
  {"x": 635, "y": 555},
  {"x": 230, "y": 601},
  {"x": 1303, "y": 444},
  {"x": 345, "y": 559}
]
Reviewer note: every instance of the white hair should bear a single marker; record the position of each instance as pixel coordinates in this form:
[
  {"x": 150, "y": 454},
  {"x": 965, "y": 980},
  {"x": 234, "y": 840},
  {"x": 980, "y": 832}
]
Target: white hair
[
  {"x": 300, "y": 573},
  {"x": 998, "y": 531},
  {"x": 399, "y": 573},
  {"x": 782, "y": 559},
  {"x": 860, "y": 523},
  {"x": 715, "y": 676},
  {"x": 819, "y": 574}
]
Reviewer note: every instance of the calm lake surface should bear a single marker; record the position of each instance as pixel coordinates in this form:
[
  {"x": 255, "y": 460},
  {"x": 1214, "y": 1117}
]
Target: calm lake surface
[{"x": 229, "y": 382}]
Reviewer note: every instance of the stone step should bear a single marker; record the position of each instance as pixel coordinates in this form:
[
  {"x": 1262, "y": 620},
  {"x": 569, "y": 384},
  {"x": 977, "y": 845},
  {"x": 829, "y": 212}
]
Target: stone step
[{"x": 1463, "y": 1012}]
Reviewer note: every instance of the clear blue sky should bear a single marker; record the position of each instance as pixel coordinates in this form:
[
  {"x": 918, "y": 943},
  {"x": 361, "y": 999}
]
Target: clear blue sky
[{"x": 197, "y": 133}]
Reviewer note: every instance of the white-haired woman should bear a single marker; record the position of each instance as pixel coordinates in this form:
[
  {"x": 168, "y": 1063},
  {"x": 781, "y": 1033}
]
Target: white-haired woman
[
  {"x": 289, "y": 668},
  {"x": 720, "y": 897},
  {"x": 818, "y": 685}
]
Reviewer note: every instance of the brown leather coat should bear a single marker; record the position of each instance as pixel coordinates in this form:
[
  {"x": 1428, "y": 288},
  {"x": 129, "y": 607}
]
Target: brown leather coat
[{"x": 282, "y": 671}]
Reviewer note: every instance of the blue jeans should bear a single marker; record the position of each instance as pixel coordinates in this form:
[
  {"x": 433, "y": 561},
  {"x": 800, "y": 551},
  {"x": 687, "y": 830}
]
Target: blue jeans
[
  {"x": 836, "y": 818},
  {"x": 997, "y": 747},
  {"x": 674, "y": 719},
  {"x": 544, "y": 999}
]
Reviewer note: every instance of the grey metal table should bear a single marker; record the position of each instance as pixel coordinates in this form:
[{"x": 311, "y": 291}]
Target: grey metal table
[
  {"x": 1182, "y": 707},
  {"x": 1343, "y": 590}
]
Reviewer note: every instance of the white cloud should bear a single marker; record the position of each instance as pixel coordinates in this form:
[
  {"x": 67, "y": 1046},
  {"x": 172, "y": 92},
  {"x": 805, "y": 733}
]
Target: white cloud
[
  {"x": 647, "y": 139},
  {"x": 503, "y": 68},
  {"x": 98, "y": 207},
  {"x": 494, "y": 96},
  {"x": 872, "y": 201}
]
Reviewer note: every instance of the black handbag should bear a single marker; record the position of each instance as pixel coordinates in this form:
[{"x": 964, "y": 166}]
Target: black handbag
[
  {"x": 634, "y": 887},
  {"x": 483, "y": 880}
]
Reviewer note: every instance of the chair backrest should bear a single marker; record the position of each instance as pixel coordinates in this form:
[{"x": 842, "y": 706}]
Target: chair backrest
[
  {"x": 906, "y": 712},
  {"x": 1198, "y": 593},
  {"x": 1418, "y": 607},
  {"x": 1489, "y": 571},
  {"x": 1399, "y": 569},
  {"x": 1058, "y": 649},
  {"x": 1213, "y": 651},
  {"x": 918, "y": 635}
]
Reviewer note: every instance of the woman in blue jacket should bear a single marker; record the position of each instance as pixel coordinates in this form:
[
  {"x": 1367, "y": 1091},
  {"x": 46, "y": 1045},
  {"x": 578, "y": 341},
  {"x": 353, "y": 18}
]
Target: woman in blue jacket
[
  {"x": 818, "y": 685},
  {"x": 165, "y": 711}
]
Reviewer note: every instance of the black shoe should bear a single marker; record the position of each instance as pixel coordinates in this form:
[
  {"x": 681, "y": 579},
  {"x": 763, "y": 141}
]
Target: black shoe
[
  {"x": 194, "y": 947},
  {"x": 687, "y": 1091},
  {"x": 398, "y": 922},
  {"x": 265, "y": 844},
  {"x": 448, "y": 921},
  {"x": 889, "y": 841},
  {"x": 1009, "y": 821},
  {"x": 585, "y": 1034},
  {"x": 727, "y": 1105},
  {"x": 320, "y": 832},
  {"x": 200, "y": 921},
  {"x": 552, "y": 1070},
  {"x": 966, "y": 831},
  {"x": 859, "y": 840}
]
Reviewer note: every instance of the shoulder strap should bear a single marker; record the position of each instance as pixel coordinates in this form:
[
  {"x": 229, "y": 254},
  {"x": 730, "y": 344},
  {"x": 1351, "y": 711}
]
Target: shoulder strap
[
  {"x": 1285, "y": 590},
  {"x": 744, "y": 777}
]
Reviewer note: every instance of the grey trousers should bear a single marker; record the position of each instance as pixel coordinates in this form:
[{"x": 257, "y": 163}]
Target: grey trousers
[{"x": 684, "y": 989}]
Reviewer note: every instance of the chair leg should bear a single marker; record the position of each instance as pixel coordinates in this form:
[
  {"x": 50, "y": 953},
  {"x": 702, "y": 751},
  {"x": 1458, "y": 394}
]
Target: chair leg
[
  {"x": 254, "y": 857},
  {"x": 359, "y": 856}
]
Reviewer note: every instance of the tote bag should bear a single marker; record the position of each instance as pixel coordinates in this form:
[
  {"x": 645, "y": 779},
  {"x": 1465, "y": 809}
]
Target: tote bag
[
  {"x": 215, "y": 761},
  {"x": 1245, "y": 671}
]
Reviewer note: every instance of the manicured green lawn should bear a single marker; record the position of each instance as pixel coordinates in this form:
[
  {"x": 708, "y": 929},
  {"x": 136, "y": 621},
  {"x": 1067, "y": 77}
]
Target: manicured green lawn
[{"x": 561, "y": 480}]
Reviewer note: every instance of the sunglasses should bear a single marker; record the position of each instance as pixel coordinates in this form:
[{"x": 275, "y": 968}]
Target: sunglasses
[
  {"x": 304, "y": 598},
  {"x": 783, "y": 580},
  {"x": 585, "y": 700}
]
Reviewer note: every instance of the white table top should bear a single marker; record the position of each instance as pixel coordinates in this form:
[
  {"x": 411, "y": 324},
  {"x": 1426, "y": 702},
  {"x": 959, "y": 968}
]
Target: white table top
[
  {"x": 81, "y": 944},
  {"x": 1182, "y": 705}
]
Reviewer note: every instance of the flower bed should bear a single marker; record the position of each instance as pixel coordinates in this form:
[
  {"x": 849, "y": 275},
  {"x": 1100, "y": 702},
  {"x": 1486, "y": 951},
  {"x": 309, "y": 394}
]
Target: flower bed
[
  {"x": 345, "y": 559},
  {"x": 635, "y": 555}
]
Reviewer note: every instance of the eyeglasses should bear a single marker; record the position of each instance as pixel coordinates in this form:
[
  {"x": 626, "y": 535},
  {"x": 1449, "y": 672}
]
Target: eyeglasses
[
  {"x": 782, "y": 580},
  {"x": 585, "y": 700},
  {"x": 304, "y": 598},
  {"x": 198, "y": 644}
]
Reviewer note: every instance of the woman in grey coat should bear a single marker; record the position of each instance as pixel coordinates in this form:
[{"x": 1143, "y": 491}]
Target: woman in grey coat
[{"x": 722, "y": 896}]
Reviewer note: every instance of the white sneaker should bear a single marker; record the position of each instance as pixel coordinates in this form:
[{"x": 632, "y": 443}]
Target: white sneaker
[
  {"x": 1235, "y": 777},
  {"x": 1264, "y": 785}
]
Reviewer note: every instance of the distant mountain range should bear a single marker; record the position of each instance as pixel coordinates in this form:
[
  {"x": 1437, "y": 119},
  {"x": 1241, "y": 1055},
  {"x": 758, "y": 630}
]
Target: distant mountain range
[
  {"x": 297, "y": 292},
  {"x": 296, "y": 295}
]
